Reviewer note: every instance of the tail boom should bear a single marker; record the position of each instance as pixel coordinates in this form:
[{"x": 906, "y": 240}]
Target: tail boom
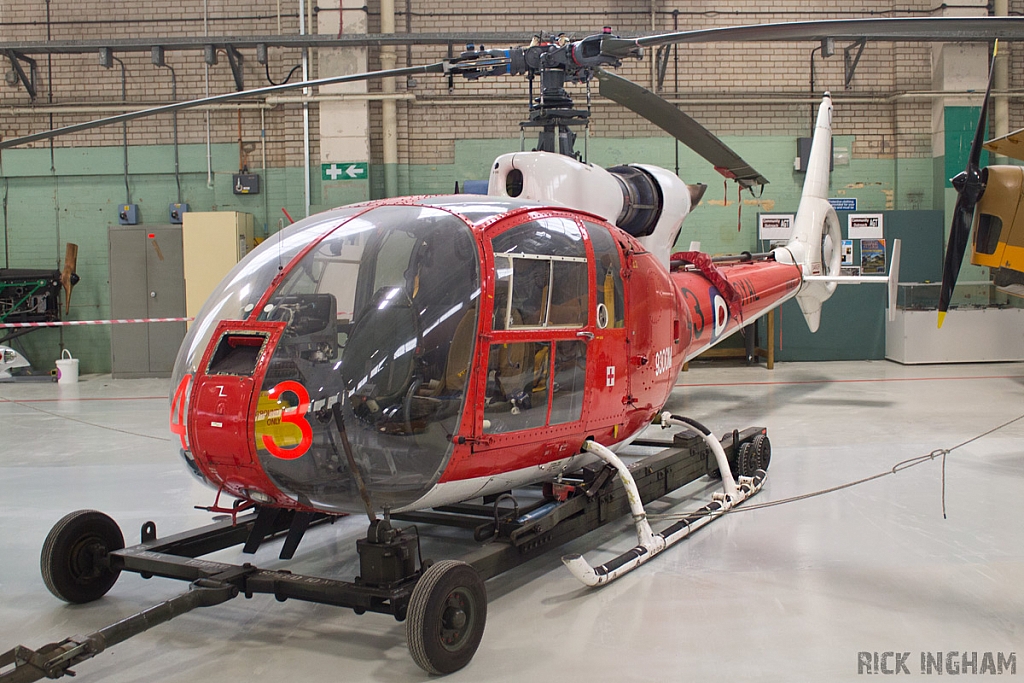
[{"x": 717, "y": 300}]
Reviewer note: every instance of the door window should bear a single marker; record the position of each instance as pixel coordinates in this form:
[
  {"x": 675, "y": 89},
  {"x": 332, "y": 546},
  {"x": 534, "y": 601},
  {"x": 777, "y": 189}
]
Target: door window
[
  {"x": 540, "y": 276},
  {"x": 611, "y": 307}
]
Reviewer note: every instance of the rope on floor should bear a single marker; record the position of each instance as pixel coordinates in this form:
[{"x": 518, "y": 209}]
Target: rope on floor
[
  {"x": 85, "y": 422},
  {"x": 895, "y": 469}
]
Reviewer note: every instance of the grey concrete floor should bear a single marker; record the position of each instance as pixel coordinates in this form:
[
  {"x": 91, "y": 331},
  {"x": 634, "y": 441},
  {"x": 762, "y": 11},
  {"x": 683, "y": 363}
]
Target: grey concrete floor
[{"x": 786, "y": 593}]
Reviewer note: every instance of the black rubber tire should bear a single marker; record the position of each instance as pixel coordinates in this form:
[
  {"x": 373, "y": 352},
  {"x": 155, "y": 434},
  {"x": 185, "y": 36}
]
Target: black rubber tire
[
  {"x": 746, "y": 462},
  {"x": 73, "y": 561},
  {"x": 447, "y": 613},
  {"x": 763, "y": 451}
]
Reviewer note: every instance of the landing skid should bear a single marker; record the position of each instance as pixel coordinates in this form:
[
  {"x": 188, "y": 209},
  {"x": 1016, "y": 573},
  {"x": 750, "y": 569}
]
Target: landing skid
[{"x": 443, "y": 604}]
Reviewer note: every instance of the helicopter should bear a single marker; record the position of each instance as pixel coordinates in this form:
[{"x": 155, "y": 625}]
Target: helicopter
[{"x": 415, "y": 353}]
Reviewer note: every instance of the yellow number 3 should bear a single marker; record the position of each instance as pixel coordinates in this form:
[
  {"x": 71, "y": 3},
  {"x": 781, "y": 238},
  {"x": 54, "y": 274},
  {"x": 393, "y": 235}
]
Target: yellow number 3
[{"x": 295, "y": 416}]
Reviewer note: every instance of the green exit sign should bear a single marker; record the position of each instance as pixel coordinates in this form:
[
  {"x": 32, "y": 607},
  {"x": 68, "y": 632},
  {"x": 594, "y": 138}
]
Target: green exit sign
[{"x": 355, "y": 170}]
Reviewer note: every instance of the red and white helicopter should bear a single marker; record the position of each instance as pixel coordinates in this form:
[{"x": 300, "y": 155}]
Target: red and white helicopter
[
  {"x": 486, "y": 342},
  {"x": 415, "y": 353}
]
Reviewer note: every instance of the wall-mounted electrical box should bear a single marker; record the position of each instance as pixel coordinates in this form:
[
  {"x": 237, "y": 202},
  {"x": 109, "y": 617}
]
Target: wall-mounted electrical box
[
  {"x": 176, "y": 210},
  {"x": 246, "y": 183},
  {"x": 803, "y": 155},
  {"x": 128, "y": 214}
]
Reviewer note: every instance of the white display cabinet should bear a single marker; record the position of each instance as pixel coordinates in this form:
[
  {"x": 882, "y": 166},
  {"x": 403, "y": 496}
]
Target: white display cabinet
[{"x": 983, "y": 325}]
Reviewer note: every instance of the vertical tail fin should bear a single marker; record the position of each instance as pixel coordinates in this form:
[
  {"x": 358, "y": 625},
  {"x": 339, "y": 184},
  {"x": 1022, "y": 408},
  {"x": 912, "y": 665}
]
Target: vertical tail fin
[{"x": 817, "y": 238}]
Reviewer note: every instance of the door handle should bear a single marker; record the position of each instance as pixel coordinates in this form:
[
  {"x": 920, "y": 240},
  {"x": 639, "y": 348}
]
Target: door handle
[{"x": 583, "y": 334}]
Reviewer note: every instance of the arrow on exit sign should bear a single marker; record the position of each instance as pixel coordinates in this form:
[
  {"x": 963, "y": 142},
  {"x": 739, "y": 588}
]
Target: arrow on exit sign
[{"x": 358, "y": 170}]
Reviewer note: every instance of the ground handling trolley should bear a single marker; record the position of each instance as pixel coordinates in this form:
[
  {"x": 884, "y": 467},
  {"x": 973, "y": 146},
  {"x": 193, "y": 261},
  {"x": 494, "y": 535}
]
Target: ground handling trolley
[{"x": 443, "y": 603}]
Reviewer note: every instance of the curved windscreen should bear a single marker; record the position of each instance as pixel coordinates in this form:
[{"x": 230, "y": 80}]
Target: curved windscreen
[
  {"x": 240, "y": 291},
  {"x": 381, "y": 323},
  {"x": 235, "y": 298}
]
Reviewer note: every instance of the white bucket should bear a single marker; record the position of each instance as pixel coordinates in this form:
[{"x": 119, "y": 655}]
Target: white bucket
[{"x": 67, "y": 368}]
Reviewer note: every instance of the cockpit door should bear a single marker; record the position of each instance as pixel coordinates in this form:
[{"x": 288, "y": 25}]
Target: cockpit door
[
  {"x": 540, "y": 330},
  {"x": 609, "y": 370}
]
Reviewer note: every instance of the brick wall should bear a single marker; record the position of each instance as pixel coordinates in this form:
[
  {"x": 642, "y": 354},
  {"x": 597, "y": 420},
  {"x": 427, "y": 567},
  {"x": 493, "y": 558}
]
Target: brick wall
[{"x": 759, "y": 81}]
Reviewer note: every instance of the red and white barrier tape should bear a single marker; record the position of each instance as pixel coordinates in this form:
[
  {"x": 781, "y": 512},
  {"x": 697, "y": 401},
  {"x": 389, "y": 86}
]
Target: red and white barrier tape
[{"x": 97, "y": 322}]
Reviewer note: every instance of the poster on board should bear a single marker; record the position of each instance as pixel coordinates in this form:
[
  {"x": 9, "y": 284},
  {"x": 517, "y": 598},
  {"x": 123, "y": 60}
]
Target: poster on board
[
  {"x": 775, "y": 227},
  {"x": 872, "y": 257},
  {"x": 847, "y": 252},
  {"x": 861, "y": 226}
]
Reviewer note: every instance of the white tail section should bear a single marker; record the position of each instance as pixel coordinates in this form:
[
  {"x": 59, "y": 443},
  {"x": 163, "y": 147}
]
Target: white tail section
[{"x": 817, "y": 239}]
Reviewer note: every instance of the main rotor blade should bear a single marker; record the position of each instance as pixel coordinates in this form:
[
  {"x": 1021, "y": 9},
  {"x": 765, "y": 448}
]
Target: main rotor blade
[
  {"x": 669, "y": 118},
  {"x": 924, "y": 29},
  {"x": 437, "y": 67}
]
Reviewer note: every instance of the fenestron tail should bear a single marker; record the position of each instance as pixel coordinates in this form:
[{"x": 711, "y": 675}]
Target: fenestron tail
[{"x": 816, "y": 241}]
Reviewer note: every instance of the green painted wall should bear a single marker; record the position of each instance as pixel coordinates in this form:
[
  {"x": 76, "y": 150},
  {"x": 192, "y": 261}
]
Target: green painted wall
[
  {"x": 961, "y": 123},
  {"x": 75, "y": 196},
  {"x": 852, "y": 325},
  {"x": 76, "y": 199}
]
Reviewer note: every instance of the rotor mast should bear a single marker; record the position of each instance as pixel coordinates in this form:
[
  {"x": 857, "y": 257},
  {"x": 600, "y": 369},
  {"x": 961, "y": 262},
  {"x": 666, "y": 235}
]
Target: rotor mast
[{"x": 557, "y": 60}]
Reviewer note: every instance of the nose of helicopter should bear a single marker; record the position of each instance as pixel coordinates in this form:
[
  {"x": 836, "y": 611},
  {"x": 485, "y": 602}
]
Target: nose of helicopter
[
  {"x": 224, "y": 410},
  {"x": 339, "y": 377}
]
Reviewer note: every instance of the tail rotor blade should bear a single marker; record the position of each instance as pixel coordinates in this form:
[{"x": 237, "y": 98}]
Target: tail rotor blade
[{"x": 669, "y": 118}]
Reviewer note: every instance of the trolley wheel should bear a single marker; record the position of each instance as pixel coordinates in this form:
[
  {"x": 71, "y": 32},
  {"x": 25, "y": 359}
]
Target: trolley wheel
[
  {"x": 746, "y": 462},
  {"x": 447, "y": 611},
  {"x": 762, "y": 450},
  {"x": 74, "y": 558}
]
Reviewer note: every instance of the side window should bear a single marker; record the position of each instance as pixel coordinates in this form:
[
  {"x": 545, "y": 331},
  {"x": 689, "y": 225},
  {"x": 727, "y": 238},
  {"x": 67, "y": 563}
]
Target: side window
[
  {"x": 517, "y": 387},
  {"x": 523, "y": 379},
  {"x": 540, "y": 276},
  {"x": 568, "y": 379},
  {"x": 608, "y": 281},
  {"x": 986, "y": 237}
]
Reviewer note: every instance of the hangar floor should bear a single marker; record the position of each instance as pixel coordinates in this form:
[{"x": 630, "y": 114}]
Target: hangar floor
[{"x": 790, "y": 592}]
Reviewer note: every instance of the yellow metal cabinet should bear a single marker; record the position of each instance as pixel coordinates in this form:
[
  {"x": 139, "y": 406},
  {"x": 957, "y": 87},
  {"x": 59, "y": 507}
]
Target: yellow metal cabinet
[{"x": 212, "y": 243}]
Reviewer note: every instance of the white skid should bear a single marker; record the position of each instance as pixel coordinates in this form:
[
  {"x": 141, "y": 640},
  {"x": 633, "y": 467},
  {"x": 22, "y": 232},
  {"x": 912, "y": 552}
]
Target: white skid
[{"x": 649, "y": 543}]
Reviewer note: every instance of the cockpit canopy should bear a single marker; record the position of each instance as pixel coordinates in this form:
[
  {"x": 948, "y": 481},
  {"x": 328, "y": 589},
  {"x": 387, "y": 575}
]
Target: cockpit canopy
[{"x": 380, "y": 305}]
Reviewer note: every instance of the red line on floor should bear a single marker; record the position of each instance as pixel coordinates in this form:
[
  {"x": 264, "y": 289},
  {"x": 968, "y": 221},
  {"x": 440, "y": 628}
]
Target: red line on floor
[
  {"x": 849, "y": 381},
  {"x": 92, "y": 398}
]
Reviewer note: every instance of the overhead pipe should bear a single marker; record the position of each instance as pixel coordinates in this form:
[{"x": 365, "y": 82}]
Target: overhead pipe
[
  {"x": 263, "y": 154},
  {"x": 273, "y": 101},
  {"x": 389, "y": 108},
  {"x": 305, "y": 111},
  {"x": 174, "y": 96},
  {"x": 1016, "y": 95},
  {"x": 124, "y": 130},
  {"x": 270, "y": 102},
  {"x": 209, "y": 142},
  {"x": 1001, "y": 114}
]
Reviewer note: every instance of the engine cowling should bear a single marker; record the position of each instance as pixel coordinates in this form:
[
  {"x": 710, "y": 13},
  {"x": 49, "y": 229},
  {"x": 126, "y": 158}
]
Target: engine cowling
[{"x": 648, "y": 202}]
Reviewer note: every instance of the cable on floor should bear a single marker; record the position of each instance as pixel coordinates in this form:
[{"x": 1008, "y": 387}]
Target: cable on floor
[
  {"x": 85, "y": 422},
  {"x": 895, "y": 469}
]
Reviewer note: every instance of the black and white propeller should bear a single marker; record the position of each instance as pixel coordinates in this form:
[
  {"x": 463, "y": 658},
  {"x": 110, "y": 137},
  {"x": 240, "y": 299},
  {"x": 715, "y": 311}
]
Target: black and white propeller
[{"x": 970, "y": 186}]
